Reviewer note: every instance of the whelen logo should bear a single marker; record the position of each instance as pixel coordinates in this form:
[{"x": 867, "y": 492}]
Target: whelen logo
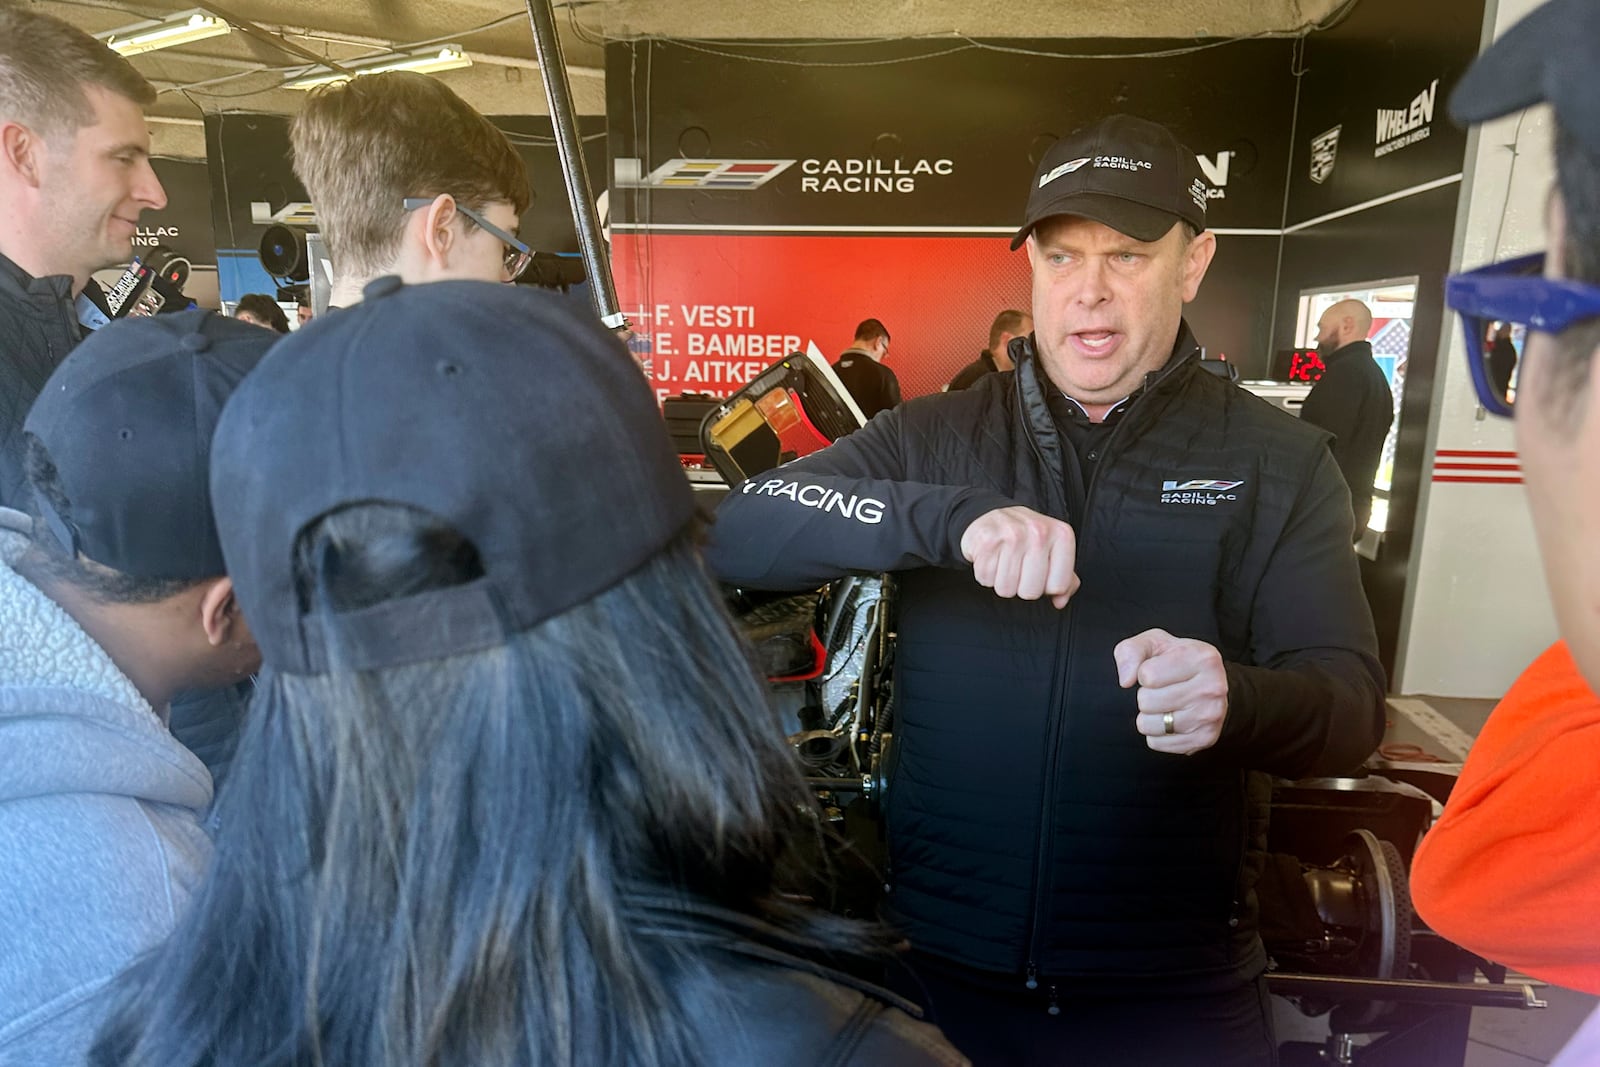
[
  {"x": 1399, "y": 127},
  {"x": 1206, "y": 491}
]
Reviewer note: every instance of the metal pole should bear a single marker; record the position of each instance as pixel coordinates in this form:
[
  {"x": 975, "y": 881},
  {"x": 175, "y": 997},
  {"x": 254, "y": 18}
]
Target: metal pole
[
  {"x": 1400, "y": 990},
  {"x": 553, "y": 69}
]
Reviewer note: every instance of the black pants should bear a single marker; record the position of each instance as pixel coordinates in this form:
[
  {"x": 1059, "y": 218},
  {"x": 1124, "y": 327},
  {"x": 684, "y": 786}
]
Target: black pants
[{"x": 996, "y": 1028}]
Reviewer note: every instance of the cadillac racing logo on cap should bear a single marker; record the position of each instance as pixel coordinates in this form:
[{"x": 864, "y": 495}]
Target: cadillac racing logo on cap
[{"x": 1066, "y": 168}]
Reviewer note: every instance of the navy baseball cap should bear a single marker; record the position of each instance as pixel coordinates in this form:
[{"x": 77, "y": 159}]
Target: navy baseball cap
[
  {"x": 1552, "y": 56},
  {"x": 127, "y": 420},
  {"x": 1126, "y": 172},
  {"x": 508, "y": 413}
]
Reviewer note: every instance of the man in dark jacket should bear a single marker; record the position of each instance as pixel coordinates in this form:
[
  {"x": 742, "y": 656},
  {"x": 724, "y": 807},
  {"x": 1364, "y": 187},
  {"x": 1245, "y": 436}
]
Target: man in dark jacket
[
  {"x": 74, "y": 177},
  {"x": 861, "y": 369},
  {"x": 1076, "y": 816},
  {"x": 997, "y": 357},
  {"x": 1502, "y": 359},
  {"x": 1352, "y": 401}
]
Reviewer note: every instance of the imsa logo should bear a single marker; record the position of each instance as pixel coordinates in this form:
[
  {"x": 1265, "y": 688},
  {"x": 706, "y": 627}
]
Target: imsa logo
[{"x": 1208, "y": 492}]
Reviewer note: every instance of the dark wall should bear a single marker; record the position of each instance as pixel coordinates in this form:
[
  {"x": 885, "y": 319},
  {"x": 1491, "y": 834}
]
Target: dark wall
[
  {"x": 250, "y": 162},
  {"x": 989, "y": 113},
  {"x": 957, "y": 136},
  {"x": 1233, "y": 314},
  {"x": 184, "y": 225},
  {"x": 1383, "y": 57}
]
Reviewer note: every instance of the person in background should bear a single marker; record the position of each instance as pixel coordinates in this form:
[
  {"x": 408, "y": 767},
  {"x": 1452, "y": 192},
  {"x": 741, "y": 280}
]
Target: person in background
[
  {"x": 304, "y": 312},
  {"x": 996, "y": 357},
  {"x": 861, "y": 369},
  {"x": 259, "y": 309},
  {"x": 113, "y": 598},
  {"x": 75, "y": 176},
  {"x": 483, "y": 812},
  {"x": 1352, "y": 400},
  {"x": 1502, "y": 359},
  {"x": 1512, "y": 868},
  {"x": 409, "y": 180}
]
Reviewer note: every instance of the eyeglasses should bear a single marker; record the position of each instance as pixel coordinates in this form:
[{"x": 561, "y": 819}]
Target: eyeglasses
[
  {"x": 1512, "y": 294},
  {"x": 517, "y": 254}
]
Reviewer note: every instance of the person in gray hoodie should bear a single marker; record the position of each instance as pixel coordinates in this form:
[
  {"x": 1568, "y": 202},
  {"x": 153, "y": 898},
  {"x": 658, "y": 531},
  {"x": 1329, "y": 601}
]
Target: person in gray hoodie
[{"x": 112, "y": 599}]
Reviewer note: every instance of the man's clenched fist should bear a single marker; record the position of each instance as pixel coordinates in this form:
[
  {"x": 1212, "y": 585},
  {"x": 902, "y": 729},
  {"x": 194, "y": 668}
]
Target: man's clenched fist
[
  {"x": 1020, "y": 553},
  {"x": 1183, "y": 690}
]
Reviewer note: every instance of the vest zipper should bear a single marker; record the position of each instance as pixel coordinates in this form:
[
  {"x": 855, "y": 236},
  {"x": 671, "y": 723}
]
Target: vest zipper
[{"x": 1057, "y": 714}]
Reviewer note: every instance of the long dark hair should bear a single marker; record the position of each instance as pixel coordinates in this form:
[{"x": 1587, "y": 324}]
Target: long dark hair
[{"x": 430, "y": 864}]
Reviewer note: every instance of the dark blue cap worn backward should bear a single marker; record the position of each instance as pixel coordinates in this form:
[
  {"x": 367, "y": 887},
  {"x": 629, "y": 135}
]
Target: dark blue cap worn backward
[
  {"x": 507, "y": 413},
  {"x": 127, "y": 420},
  {"x": 1551, "y": 56}
]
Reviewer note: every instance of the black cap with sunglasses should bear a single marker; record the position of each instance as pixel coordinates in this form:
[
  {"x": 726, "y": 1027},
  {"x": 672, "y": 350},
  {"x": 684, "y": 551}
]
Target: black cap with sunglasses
[{"x": 1552, "y": 56}]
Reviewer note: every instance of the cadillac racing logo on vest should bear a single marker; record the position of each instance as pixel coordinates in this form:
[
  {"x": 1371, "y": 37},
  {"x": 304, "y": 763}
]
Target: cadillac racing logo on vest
[{"x": 1206, "y": 491}]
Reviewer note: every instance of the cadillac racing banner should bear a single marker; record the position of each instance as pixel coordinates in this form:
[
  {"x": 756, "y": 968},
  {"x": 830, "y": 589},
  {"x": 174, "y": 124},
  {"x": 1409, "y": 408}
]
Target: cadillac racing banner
[{"x": 795, "y": 193}]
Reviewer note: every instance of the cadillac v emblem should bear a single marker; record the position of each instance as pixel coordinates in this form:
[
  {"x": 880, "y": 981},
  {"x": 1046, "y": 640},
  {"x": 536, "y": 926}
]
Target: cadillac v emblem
[{"x": 1324, "y": 146}]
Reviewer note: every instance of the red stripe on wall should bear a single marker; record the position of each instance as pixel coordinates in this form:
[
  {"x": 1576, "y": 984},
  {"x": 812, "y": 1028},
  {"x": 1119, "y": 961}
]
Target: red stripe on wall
[
  {"x": 1512, "y": 468},
  {"x": 1470, "y": 480},
  {"x": 1464, "y": 454}
]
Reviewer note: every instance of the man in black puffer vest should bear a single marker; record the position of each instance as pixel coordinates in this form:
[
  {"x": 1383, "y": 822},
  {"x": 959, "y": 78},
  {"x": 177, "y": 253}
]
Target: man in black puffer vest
[
  {"x": 74, "y": 177},
  {"x": 1078, "y": 809}
]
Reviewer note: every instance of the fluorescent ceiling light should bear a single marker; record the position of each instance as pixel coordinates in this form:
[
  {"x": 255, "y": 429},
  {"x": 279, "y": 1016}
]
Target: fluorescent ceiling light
[
  {"x": 182, "y": 28},
  {"x": 450, "y": 57}
]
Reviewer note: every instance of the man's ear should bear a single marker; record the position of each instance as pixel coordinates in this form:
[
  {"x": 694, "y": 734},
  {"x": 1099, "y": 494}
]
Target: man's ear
[
  {"x": 22, "y": 152},
  {"x": 219, "y": 612},
  {"x": 1196, "y": 261},
  {"x": 438, "y": 235}
]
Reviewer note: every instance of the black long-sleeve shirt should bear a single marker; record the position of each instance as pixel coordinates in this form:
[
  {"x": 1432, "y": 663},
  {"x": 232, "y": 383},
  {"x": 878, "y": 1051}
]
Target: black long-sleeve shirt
[{"x": 1353, "y": 402}]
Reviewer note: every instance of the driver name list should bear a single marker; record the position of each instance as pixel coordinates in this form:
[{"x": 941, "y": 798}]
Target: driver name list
[{"x": 713, "y": 345}]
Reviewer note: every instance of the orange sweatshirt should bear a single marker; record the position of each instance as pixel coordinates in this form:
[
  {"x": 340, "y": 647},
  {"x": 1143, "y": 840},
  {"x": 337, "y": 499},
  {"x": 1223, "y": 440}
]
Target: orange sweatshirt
[{"x": 1512, "y": 869}]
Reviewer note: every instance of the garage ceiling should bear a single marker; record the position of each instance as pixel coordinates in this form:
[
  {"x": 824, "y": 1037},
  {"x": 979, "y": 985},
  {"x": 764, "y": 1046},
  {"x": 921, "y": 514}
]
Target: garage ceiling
[{"x": 243, "y": 71}]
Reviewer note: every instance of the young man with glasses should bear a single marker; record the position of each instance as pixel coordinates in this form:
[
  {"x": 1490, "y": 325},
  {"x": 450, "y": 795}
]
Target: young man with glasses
[
  {"x": 409, "y": 180},
  {"x": 1512, "y": 869}
]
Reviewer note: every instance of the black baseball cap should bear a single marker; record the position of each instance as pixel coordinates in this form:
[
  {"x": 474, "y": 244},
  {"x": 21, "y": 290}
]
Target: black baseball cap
[
  {"x": 1126, "y": 172},
  {"x": 508, "y": 413},
  {"x": 1552, "y": 55},
  {"x": 127, "y": 420}
]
